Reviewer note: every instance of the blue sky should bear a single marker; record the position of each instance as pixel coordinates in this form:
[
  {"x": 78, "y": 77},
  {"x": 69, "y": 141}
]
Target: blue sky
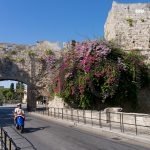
[{"x": 28, "y": 21}]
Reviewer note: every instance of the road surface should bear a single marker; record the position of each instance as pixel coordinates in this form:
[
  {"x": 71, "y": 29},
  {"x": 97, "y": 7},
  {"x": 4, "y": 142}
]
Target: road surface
[{"x": 54, "y": 135}]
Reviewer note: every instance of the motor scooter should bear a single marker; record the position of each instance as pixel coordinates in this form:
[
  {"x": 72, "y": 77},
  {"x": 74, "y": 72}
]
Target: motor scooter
[{"x": 19, "y": 122}]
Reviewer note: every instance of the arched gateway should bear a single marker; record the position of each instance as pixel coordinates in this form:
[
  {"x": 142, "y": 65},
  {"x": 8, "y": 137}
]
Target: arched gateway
[{"x": 27, "y": 64}]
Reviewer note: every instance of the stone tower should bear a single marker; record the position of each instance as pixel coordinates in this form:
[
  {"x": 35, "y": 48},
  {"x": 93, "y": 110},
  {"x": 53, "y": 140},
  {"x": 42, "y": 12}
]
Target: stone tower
[{"x": 129, "y": 26}]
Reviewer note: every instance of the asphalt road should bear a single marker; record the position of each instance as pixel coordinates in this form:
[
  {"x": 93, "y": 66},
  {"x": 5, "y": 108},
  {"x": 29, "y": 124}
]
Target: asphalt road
[{"x": 53, "y": 135}]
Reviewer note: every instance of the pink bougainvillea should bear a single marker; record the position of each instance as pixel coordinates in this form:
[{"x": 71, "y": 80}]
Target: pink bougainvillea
[{"x": 92, "y": 70}]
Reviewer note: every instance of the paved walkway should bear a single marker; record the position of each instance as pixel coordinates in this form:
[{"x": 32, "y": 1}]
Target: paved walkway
[
  {"x": 143, "y": 139},
  {"x": 19, "y": 140},
  {"x": 24, "y": 144}
]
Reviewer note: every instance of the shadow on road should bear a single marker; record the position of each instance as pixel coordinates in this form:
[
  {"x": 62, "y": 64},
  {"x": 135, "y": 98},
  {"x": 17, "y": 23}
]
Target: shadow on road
[{"x": 30, "y": 130}]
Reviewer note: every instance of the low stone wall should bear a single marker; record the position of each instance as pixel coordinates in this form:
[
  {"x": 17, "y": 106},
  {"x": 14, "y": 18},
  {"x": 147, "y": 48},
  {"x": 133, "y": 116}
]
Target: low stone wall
[{"x": 57, "y": 102}]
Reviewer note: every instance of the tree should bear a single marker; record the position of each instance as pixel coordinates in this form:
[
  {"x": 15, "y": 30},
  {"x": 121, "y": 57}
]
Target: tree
[
  {"x": 6, "y": 94},
  {"x": 12, "y": 90},
  {"x": 12, "y": 87},
  {"x": 9, "y": 95},
  {"x": 1, "y": 96},
  {"x": 19, "y": 90}
]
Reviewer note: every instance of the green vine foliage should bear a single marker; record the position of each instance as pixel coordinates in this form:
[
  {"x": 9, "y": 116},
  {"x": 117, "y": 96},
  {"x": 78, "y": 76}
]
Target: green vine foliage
[
  {"x": 98, "y": 74},
  {"x": 49, "y": 52},
  {"x": 31, "y": 53},
  {"x": 142, "y": 20},
  {"x": 130, "y": 22},
  {"x": 51, "y": 91},
  {"x": 20, "y": 60},
  {"x": 12, "y": 52}
]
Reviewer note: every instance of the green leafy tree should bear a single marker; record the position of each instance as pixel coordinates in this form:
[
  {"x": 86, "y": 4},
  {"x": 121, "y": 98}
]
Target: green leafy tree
[
  {"x": 12, "y": 90},
  {"x": 19, "y": 90},
  {"x": 1, "y": 96},
  {"x": 12, "y": 87},
  {"x": 9, "y": 95},
  {"x": 6, "y": 94}
]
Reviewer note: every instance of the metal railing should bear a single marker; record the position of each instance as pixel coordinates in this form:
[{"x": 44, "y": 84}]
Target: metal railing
[
  {"x": 7, "y": 142},
  {"x": 119, "y": 121}
]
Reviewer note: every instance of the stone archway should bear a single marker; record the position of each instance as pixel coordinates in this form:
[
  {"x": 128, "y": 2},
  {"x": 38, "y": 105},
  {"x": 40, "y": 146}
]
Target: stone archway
[{"x": 26, "y": 64}]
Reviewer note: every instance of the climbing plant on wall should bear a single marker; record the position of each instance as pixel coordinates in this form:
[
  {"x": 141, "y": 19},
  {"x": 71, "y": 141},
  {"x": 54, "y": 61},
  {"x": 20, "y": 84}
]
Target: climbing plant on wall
[{"x": 96, "y": 71}]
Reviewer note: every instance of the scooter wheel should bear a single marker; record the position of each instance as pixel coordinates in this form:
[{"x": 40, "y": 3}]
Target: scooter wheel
[
  {"x": 17, "y": 127},
  {"x": 21, "y": 129}
]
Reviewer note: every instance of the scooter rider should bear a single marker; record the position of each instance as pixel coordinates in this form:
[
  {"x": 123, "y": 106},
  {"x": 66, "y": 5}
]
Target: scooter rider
[{"x": 18, "y": 111}]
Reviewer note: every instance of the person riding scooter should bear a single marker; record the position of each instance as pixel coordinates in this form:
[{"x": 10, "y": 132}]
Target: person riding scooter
[{"x": 18, "y": 112}]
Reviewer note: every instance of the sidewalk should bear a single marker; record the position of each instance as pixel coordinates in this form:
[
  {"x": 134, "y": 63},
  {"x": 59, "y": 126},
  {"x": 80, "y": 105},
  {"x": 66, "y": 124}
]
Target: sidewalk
[
  {"x": 116, "y": 134},
  {"x": 19, "y": 140}
]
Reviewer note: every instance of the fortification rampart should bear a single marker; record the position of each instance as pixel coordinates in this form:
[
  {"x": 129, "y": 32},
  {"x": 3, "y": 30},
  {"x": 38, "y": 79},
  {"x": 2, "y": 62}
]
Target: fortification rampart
[
  {"x": 27, "y": 64},
  {"x": 129, "y": 26}
]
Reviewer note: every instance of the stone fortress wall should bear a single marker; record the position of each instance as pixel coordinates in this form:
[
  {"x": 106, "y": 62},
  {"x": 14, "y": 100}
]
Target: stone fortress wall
[
  {"x": 20, "y": 58},
  {"x": 129, "y": 25},
  {"x": 26, "y": 63}
]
